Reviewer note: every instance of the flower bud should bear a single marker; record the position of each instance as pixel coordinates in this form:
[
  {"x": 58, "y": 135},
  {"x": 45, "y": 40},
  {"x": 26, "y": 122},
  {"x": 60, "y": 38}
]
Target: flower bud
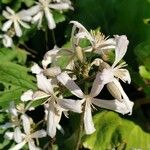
[
  {"x": 79, "y": 53},
  {"x": 52, "y": 72}
]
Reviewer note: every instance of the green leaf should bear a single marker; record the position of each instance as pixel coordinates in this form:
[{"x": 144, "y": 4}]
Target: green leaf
[
  {"x": 15, "y": 80},
  {"x": 6, "y": 1},
  {"x": 17, "y": 55},
  {"x": 59, "y": 17},
  {"x": 142, "y": 51},
  {"x": 144, "y": 72},
  {"x": 114, "y": 132},
  {"x": 28, "y": 3}
]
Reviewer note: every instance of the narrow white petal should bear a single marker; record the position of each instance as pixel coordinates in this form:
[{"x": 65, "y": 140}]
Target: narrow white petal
[
  {"x": 12, "y": 109},
  {"x": 44, "y": 84},
  {"x": 10, "y": 10},
  {"x": 50, "y": 56},
  {"x": 17, "y": 29},
  {"x": 32, "y": 145},
  {"x": 18, "y": 146},
  {"x": 70, "y": 84},
  {"x": 39, "y": 95},
  {"x": 50, "y": 19},
  {"x": 126, "y": 100},
  {"x": 59, "y": 127},
  {"x": 59, "y": 6},
  {"x": 25, "y": 25},
  {"x": 36, "y": 69},
  {"x": 26, "y": 96},
  {"x": 82, "y": 29},
  {"x": 9, "y": 135},
  {"x": 7, "y": 41},
  {"x": 7, "y": 125},
  {"x": 33, "y": 10},
  {"x": 52, "y": 121},
  {"x": 39, "y": 134},
  {"x": 121, "y": 48},
  {"x": 37, "y": 17},
  {"x": 71, "y": 105},
  {"x": 24, "y": 16},
  {"x": 17, "y": 135},
  {"x": 124, "y": 75},
  {"x": 7, "y": 25},
  {"x": 6, "y": 14},
  {"x": 26, "y": 123},
  {"x": 97, "y": 86},
  {"x": 88, "y": 121}
]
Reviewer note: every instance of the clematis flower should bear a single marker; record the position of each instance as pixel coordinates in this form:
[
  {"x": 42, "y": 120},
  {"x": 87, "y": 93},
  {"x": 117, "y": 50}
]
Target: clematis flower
[
  {"x": 45, "y": 7},
  {"x": 56, "y": 105},
  {"x": 27, "y": 136},
  {"x": 16, "y": 19},
  {"x": 90, "y": 100},
  {"x": 110, "y": 75},
  {"x": 7, "y": 40},
  {"x": 98, "y": 41}
]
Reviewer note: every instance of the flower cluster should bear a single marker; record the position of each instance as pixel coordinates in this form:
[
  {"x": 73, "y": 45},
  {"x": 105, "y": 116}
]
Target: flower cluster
[
  {"x": 18, "y": 20},
  {"x": 82, "y": 75}
]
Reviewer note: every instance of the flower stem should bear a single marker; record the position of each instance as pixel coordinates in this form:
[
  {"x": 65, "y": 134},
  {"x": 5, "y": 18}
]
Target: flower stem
[{"x": 79, "y": 136}]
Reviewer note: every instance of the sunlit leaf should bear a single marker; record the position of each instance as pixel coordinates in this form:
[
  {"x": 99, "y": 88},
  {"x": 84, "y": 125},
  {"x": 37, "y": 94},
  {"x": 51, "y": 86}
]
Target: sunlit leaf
[{"x": 114, "y": 132}]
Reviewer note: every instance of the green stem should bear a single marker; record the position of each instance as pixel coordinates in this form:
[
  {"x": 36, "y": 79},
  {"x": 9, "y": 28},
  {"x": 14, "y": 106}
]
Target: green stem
[
  {"x": 53, "y": 37},
  {"x": 77, "y": 147},
  {"x": 46, "y": 38}
]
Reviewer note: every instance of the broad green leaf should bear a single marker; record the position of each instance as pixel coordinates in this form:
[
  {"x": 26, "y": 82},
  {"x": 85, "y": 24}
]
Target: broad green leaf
[
  {"x": 17, "y": 55},
  {"x": 15, "y": 79},
  {"x": 144, "y": 72},
  {"x": 28, "y": 3},
  {"x": 142, "y": 51},
  {"x": 59, "y": 17},
  {"x": 6, "y": 1},
  {"x": 114, "y": 132}
]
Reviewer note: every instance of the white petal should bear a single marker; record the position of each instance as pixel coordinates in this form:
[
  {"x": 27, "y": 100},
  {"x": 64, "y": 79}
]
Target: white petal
[
  {"x": 121, "y": 48},
  {"x": 6, "y": 14},
  {"x": 126, "y": 100},
  {"x": 52, "y": 72},
  {"x": 7, "y": 25},
  {"x": 71, "y": 105},
  {"x": 50, "y": 19},
  {"x": 24, "y": 16},
  {"x": 26, "y": 96},
  {"x": 17, "y": 28},
  {"x": 88, "y": 121},
  {"x": 9, "y": 135},
  {"x": 18, "y": 146},
  {"x": 10, "y": 10},
  {"x": 33, "y": 10},
  {"x": 97, "y": 86},
  {"x": 7, "y": 41},
  {"x": 52, "y": 121},
  {"x": 12, "y": 109},
  {"x": 50, "y": 56},
  {"x": 32, "y": 145},
  {"x": 26, "y": 123},
  {"x": 44, "y": 84},
  {"x": 36, "y": 69},
  {"x": 114, "y": 105},
  {"x": 7, "y": 125},
  {"x": 82, "y": 29},
  {"x": 37, "y": 17},
  {"x": 17, "y": 135},
  {"x": 70, "y": 84},
  {"x": 39, "y": 134},
  {"x": 59, "y": 6},
  {"x": 124, "y": 75},
  {"x": 39, "y": 95},
  {"x": 25, "y": 25}
]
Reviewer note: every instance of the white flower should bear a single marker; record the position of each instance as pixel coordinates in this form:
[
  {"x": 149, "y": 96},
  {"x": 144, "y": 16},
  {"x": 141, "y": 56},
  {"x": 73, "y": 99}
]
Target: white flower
[
  {"x": 7, "y": 40},
  {"x": 111, "y": 74},
  {"x": 16, "y": 19},
  {"x": 90, "y": 100},
  {"x": 45, "y": 7},
  {"x": 27, "y": 136},
  {"x": 56, "y": 105},
  {"x": 97, "y": 39}
]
